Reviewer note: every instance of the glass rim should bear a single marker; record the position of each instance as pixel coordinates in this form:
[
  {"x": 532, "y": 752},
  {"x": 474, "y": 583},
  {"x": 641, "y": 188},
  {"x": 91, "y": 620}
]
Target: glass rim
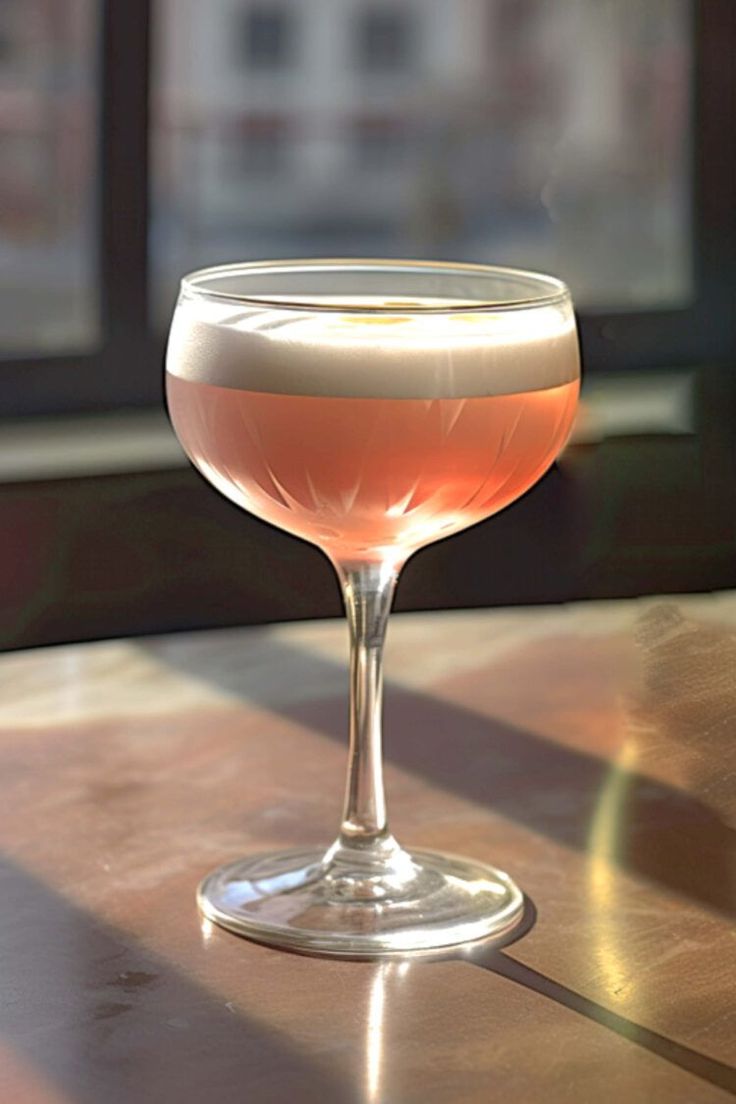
[{"x": 556, "y": 291}]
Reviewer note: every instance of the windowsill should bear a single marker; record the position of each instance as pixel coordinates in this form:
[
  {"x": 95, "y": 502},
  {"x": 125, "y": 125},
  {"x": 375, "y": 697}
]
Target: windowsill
[
  {"x": 636, "y": 403},
  {"x": 139, "y": 441},
  {"x": 94, "y": 444}
]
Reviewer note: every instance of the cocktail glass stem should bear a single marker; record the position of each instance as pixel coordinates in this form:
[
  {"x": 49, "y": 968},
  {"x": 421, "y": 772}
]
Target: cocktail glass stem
[{"x": 365, "y": 843}]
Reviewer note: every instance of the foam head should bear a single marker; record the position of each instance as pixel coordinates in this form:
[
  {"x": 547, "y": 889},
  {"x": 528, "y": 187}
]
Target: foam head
[{"x": 373, "y": 347}]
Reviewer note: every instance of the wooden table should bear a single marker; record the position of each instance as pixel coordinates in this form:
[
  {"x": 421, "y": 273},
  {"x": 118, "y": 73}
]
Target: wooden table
[{"x": 590, "y": 750}]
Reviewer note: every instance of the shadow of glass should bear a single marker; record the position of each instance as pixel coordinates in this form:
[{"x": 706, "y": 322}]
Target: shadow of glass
[
  {"x": 489, "y": 955},
  {"x": 106, "y": 1020}
]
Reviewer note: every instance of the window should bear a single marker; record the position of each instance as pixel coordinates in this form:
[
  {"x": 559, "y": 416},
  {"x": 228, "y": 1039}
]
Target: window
[
  {"x": 385, "y": 38},
  {"x": 589, "y": 139},
  {"x": 261, "y": 147},
  {"x": 381, "y": 142},
  {"x": 47, "y": 172},
  {"x": 8, "y": 48},
  {"x": 550, "y": 136},
  {"x": 266, "y": 38},
  {"x": 11, "y": 34}
]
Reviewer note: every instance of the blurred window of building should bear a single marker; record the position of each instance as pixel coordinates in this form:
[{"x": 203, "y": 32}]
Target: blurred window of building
[
  {"x": 11, "y": 44},
  {"x": 550, "y": 136},
  {"x": 141, "y": 140},
  {"x": 380, "y": 142},
  {"x": 385, "y": 37},
  {"x": 265, "y": 36},
  {"x": 260, "y": 147},
  {"x": 48, "y": 118}
]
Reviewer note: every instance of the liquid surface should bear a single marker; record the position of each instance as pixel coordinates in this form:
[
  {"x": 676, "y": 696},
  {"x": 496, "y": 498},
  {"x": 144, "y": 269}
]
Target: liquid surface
[{"x": 368, "y": 477}]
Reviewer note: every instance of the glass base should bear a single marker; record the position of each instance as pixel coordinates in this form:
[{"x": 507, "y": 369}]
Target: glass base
[{"x": 303, "y": 901}]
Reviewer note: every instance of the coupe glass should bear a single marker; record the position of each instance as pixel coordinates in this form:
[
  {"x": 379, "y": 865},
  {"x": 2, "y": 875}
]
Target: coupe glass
[{"x": 370, "y": 407}]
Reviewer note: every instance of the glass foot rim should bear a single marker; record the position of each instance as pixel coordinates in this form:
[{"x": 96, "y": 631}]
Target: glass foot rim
[{"x": 417, "y": 937}]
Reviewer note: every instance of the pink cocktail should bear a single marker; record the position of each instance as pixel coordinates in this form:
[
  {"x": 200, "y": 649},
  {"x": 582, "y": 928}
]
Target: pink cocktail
[{"x": 369, "y": 422}]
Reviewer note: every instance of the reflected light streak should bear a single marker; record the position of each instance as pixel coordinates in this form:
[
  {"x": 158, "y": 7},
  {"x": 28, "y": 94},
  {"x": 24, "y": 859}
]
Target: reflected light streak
[
  {"x": 388, "y": 975},
  {"x": 603, "y": 844},
  {"x": 207, "y": 928},
  {"x": 374, "y": 1035}
]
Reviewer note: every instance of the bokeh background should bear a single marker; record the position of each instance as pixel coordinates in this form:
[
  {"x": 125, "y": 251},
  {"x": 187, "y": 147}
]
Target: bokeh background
[{"x": 551, "y": 136}]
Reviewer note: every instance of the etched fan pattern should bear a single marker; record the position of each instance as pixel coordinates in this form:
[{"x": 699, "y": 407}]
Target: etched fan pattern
[{"x": 400, "y": 472}]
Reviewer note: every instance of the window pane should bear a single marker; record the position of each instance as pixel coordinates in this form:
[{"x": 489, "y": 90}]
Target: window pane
[
  {"x": 47, "y": 166},
  {"x": 553, "y": 136},
  {"x": 384, "y": 38},
  {"x": 265, "y": 37}
]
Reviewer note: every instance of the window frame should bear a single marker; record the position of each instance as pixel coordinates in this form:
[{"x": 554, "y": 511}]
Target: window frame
[{"x": 125, "y": 368}]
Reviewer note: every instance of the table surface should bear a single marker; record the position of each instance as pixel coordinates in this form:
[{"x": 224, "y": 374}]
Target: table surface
[{"x": 587, "y": 749}]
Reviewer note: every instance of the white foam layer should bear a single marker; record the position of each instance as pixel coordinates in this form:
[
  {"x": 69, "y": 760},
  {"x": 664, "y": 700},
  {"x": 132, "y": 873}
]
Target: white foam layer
[{"x": 381, "y": 355}]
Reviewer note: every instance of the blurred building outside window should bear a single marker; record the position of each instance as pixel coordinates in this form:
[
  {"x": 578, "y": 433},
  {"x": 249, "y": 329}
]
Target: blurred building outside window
[
  {"x": 48, "y": 90},
  {"x": 552, "y": 136}
]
